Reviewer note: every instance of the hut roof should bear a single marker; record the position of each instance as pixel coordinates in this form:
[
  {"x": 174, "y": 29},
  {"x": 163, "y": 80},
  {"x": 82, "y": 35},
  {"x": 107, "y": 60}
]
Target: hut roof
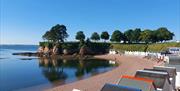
[
  {"x": 137, "y": 82},
  {"x": 158, "y": 77},
  {"x": 114, "y": 87},
  {"x": 170, "y": 70}
]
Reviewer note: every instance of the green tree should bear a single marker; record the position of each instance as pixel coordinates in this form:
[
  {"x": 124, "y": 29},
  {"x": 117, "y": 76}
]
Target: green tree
[
  {"x": 146, "y": 36},
  {"x": 136, "y": 34},
  {"x": 163, "y": 34},
  {"x": 117, "y": 36},
  {"x": 47, "y": 36},
  {"x": 154, "y": 36},
  {"x": 80, "y": 36},
  {"x": 95, "y": 36},
  {"x": 105, "y": 35},
  {"x": 129, "y": 35},
  {"x": 56, "y": 34},
  {"x": 88, "y": 42}
]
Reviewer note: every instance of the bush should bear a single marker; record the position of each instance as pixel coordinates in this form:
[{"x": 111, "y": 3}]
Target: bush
[
  {"x": 46, "y": 44},
  {"x": 99, "y": 47},
  {"x": 70, "y": 45}
]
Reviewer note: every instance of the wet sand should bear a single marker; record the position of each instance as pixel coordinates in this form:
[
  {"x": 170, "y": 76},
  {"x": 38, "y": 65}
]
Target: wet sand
[{"x": 127, "y": 66}]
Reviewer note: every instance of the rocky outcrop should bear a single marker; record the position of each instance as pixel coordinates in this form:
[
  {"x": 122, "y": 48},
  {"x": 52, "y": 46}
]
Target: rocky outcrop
[
  {"x": 65, "y": 51},
  {"x": 55, "y": 50},
  {"x": 46, "y": 51},
  {"x": 26, "y": 54},
  {"x": 84, "y": 50}
]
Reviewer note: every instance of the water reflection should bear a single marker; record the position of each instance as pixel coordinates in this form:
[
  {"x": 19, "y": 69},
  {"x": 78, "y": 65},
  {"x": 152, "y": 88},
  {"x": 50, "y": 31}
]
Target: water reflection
[{"x": 65, "y": 71}]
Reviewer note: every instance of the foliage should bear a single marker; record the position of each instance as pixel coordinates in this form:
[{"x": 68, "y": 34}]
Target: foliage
[
  {"x": 81, "y": 43},
  {"x": 56, "y": 34},
  {"x": 129, "y": 35},
  {"x": 80, "y": 36},
  {"x": 136, "y": 34},
  {"x": 99, "y": 47},
  {"x": 164, "y": 34},
  {"x": 105, "y": 35},
  {"x": 88, "y": 42},
  {"x": 146, "y": 36},
  {"x": 46, "y": 44},
  {"x": 95, "y": 36},
  {"x": 117, "y": 36}
]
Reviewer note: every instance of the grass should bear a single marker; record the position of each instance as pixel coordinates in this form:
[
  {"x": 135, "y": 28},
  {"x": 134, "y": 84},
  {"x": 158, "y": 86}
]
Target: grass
[{"x": 155, "y": 47}]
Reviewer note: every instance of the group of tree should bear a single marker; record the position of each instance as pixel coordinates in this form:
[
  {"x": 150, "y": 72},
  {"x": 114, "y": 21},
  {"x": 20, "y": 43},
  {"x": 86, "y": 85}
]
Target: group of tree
[
  {"x": 58, "y": 34},
  {"x": 146, "y": 36},
  {"x": 95, "y": 36}
]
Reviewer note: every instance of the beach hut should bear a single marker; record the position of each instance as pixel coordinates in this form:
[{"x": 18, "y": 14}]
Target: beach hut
[
  {"x": 171, "y": 71},
  {"x": 174, "y": 50},
  {"x": 114, "y": 87},
  {"x": 161, "y": 79},
  {"x": 136, "y": 82}
]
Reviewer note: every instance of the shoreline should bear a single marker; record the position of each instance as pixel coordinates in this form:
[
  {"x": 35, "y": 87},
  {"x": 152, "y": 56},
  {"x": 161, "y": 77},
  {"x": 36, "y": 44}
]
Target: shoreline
[{"x": 95, "y": 83}]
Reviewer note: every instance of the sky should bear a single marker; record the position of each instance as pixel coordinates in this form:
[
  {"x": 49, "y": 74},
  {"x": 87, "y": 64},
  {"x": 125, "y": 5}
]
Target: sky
[{"x": 25, "y": 21}]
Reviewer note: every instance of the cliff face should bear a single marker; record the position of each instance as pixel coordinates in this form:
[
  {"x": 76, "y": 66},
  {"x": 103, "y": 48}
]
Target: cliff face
[
  {"x": 45, "y": 51},
  {"x": 55, "y": 50},
  {"x": 73, "y": 48}
]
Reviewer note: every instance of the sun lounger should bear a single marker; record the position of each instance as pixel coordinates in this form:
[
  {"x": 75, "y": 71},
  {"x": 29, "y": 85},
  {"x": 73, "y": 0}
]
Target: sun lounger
[
  {"x": 114, "y": 87},
  {"x": 136, "y": 82}
]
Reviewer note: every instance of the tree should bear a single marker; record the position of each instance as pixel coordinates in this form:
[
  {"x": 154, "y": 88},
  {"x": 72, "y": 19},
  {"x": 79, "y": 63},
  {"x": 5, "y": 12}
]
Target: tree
[
  {"x": 47, "y": 36},
  {"x": 80, "y": 36},
  {"x": 88, "y": 42},
  {"x": 146, "y": 36},
  {"x": 105, "y": 35},
  {"x": 136, "y": 34},
  {"x": 56, "y": 34},
  {"x": 95, "y": 36},
  {"x": 117, "y": 36},
  {"x": 164, "y": 34},
  {"x": 154, "y": 36},
  {"x": 129, "y": 35}
]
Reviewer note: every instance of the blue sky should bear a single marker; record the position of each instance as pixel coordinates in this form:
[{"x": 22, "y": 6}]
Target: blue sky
[{"x": 25, "y": 21}]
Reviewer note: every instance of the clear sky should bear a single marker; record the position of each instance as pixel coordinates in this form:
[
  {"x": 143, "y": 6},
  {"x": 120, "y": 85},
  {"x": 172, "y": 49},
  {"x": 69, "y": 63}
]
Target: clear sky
[{"x": 25, "y": 21}]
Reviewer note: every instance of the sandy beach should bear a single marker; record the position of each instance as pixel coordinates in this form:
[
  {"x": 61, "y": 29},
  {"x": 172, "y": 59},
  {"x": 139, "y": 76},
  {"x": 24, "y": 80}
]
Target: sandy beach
[{"x": 127, "y": 66}]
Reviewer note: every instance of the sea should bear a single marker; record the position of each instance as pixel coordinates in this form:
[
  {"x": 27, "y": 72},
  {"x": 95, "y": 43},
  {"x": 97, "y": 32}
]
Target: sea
[{"x": 24, "y": 73}]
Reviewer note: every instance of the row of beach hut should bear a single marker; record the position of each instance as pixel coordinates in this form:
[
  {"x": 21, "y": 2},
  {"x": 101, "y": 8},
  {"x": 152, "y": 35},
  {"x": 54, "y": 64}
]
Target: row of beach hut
[
  {"x": 142, "y": 54},
  {"x": 159, "y": 78}
]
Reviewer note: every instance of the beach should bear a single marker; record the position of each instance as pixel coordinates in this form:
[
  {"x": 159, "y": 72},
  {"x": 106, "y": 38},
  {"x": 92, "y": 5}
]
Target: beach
[{"x": 128, "y": 65}]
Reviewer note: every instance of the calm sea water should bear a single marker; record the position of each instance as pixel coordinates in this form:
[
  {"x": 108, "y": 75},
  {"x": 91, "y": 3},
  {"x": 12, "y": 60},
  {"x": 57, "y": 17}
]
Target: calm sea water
[{"x": 28, "y": 73}]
